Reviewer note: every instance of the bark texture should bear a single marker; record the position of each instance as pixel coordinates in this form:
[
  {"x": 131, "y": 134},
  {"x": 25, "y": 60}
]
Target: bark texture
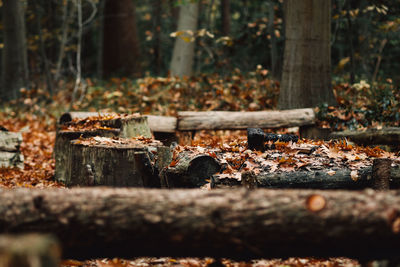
[
  {"x": 226, "y": 17},
  {"x": 306, "y": 78},
  {"x": 183, "y": 53},
  {"x": 381, "y": 174},
  {"x": 121, "y": 45},
  {"x": 31, "y": 250},
  {"x": 14, "y": 56},
  {"x": 341, "y": 179},
  {"x": 216, "y": 120},
  {"x": 110, "y": 165},
  {"x": 10, "y": 155},
  {"x": 104, "y": 222}
]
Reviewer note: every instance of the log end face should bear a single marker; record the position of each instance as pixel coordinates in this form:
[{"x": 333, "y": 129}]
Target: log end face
[{"x": 202, "y": 168}]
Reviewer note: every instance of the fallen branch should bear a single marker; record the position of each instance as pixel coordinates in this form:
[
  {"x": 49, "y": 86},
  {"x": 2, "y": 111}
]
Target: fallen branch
[
  {"x": 322, "y": 179},
  {"x": 105, "y": 222},
  {"x": 216, "y": 120}
]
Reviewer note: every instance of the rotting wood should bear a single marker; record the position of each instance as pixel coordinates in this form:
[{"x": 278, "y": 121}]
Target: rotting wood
[
  {"x": 189, "y": 170},
  {"x": 217, "y": 120},
  {"x": 111, "y": 162},
  {"x": 314, "y": 179},
  {"x": 30, "y": 250},
  {"x": 101, "y": 222}
]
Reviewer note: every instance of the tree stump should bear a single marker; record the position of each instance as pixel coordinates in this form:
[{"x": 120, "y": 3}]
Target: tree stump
[
  {"x": 111, "y": 162},
  {"x": 125, "y": 126}
]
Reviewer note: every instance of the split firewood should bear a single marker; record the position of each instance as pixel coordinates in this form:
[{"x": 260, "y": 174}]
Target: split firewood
[
  {"x": 101, "y": 222},
  {"x": 10, "y": 155}
]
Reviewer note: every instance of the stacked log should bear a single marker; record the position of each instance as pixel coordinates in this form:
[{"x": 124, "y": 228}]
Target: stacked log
[{"x": 10, "y": 155}]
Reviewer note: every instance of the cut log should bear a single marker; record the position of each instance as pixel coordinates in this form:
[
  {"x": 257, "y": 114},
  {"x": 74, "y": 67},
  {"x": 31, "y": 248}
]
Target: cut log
[
  {"x": 189, "y": 170},
  {"x": 111, "y": 162},
  {"x": 10, "y": 155},
  {"x": 220, "y": 120},
  {"x": 31, "y": 250},
  {"x": 260, "y": 223},
  {"x": 338, "y": 179},
  {"x": 385, "y": 136},
  {"x": 256, "y": 138},
  {"x": 163, "y": 124}
]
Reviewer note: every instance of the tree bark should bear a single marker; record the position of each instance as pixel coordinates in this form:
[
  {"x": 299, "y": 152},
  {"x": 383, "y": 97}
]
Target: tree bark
[
  {"x": 121, "y": 45},
  {"x": 31, "y": 250},
  {"x": 226, "y": 17},
  {"x": 183, "y": 53},
  {"x": 341, "y": 179},
  {"x": 306, "y": 78},
  {"x": 15, "y": 57},
  {"x": 110, "y": 164},
  {"x": 125, "y": 127},
  {"x": 215, "y": 120},
  {"x": 105, "y": 222}
]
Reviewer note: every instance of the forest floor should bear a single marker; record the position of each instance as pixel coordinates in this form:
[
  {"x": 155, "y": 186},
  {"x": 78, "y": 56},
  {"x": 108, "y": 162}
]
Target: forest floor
[{"x": 35, "y": 117}]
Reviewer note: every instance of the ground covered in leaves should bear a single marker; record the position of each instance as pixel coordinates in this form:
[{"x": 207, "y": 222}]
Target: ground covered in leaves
[{"x": 360, "y": 106}]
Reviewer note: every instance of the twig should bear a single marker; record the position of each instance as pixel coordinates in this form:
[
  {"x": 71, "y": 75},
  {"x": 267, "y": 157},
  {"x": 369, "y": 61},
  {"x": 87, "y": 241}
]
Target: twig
[{"x": 78, "y": 4}]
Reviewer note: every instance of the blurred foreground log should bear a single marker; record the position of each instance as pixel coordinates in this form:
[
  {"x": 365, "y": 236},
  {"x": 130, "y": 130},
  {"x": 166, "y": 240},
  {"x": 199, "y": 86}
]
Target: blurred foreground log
[
  {"x": 220, "y": 120},
  {"x": 31, "y": 250},
  {"x": 101, "y": 222},
  {"x": 323, "y": 179}
]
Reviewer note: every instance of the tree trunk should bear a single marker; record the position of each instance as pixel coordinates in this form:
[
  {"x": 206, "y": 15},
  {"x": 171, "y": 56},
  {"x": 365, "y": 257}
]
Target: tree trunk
[
  {"x": 184, "y": 48},
  {"x": 15, "y": 58},
  {"x": 226, "y": 17},
  {"x": 306, "y": 78},
  {"x": 157, "y": 13},
  {"x": 121, "y": 44},
  {"x": 105, "y": 222}
]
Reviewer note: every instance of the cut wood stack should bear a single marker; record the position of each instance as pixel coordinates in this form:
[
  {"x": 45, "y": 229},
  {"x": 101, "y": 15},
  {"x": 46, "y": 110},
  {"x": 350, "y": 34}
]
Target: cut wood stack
[{"x": 10, "y": 155}]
